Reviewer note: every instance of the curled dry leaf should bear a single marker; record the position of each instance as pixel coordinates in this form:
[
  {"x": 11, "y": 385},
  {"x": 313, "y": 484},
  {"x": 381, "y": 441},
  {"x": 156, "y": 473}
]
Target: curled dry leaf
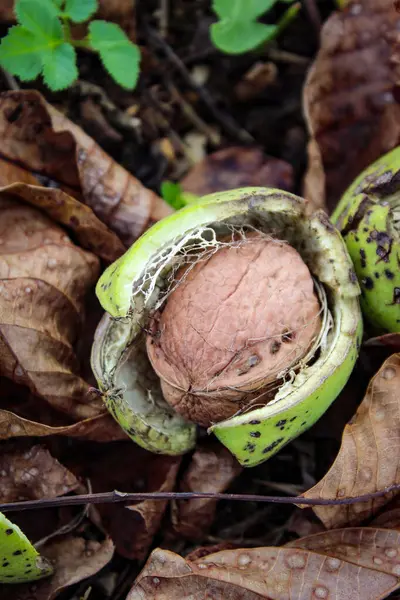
[
  {"x": 368, "y": 457},
  {"x": 125, "y": 466},
  {"x": 78, "y": 218},
  {"x": 102, "y": 428},
  {"x": 22, "y": 414},
  {"x": 73, "y": 558},
  {"x": 44, "y": 279},
  {"x": 351, "y": 113},
  {"x": 30, "y": 474},
  {"x": 255, "y": 573},
  {"x": 40, "y": 138},
  {"x": 237, "y": 167},
  {"x": 212, "y": 469}
]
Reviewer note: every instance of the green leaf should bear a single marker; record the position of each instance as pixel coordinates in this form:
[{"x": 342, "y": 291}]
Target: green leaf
[
  {"x": 20, "y": 53},
  {"x": 20, "y": 561},
  {"x": 119, "y": 55},
  {"x": 80, "y": 10},
  {"x": 238, "y": 37},
  {"x": 242, "y": 10},
  {"x": 172, "y": 194},
  {"x": 40, "y": 17},
  {"x": 59, "y": 67}
]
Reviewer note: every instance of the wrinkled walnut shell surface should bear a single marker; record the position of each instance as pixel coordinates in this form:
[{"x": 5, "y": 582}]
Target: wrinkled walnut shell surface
[{"x": 235, "y": 322}]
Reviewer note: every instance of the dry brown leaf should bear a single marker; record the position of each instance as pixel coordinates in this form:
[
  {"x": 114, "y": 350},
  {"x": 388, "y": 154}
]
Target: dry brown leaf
[
  {"x": 102, "y": 428},
  {"x": 7, "y": 10},
  {"x": 88, "y": 230},
  {"x": 371, "y": 547},
  {"x": 388, "y": 340},
  {"x": 24, "y": 415},
  {"x": 254, "y": 573},
  {"x": 37, "y": 136},
  {"x": 126, "y": 466},
  {"x": 390, "y": 517},
  {"x": 212, "y": 469},
  {"x": 44, "y": 279},
  {"x": 369, "y": 454},
  {"x": 351, "y": 113},
  {"x": 32, "y": 473},
  {"x": 237, "y": 167},
  {"x": 74, "y": 559}
]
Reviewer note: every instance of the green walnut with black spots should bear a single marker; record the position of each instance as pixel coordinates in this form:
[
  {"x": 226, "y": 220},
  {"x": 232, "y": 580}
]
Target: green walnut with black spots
[
  {"x": 368, "y": 216},
  {"x": 239, "y": 313},
  {"x": 20, "y": 562}
]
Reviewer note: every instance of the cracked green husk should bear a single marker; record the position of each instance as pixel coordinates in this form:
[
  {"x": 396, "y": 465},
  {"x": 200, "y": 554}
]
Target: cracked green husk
[
  {"x": 368, "y": 216},
  {"x": 130, "y": 387}
]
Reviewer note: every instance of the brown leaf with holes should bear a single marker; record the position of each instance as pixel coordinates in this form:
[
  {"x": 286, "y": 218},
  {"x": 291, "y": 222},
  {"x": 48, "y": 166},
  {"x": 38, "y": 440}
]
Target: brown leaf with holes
[
  {"x": 37, "y": 136},
  {"x": 369, "y": 455},
  {"x": 125, "y": 466},
  {"x": 237, "y": 167},
  {"x": 211, "y": 469},
  {"x": 74, "y": 560},
  {"x": 32, "y": 473},
  {"x": 351, "y": 112},
  {"x": 254, "y": 573},
  {"x": 44, "y": 279}
]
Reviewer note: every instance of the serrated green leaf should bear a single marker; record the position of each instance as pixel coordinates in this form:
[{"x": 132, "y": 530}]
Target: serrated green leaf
[
  {"x": 59, "y": 67},
  {"x": 118, "y": 54},
  {"x": 242, "y": 10},
  {"x": 40, "y": 17},
  {"x": 80, "y": 10},
  {"x": 20, "y": 53},
  {"x": 20, "y": 561},
  {"x": 235, "y": 37}
]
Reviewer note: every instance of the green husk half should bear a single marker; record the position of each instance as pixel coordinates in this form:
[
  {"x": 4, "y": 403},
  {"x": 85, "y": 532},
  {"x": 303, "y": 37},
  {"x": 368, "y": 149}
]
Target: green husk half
[{"x": 134, "y": 285}]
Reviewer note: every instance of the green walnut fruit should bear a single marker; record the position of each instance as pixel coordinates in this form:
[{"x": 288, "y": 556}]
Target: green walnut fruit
[
  {"x": 368, "y": 216},
  {"x": 19, "y": 560},
  {"x": 239, "y": 313}
]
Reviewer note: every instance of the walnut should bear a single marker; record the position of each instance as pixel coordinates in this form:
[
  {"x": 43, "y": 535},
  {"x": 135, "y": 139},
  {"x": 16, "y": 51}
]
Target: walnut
[{"x": 233, "y": 326}]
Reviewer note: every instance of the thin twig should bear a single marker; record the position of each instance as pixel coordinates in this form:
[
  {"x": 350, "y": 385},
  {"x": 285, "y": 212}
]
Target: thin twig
[
  {"x": 128, "y": 498},
  {"x": 192, "y": 115},
  {"x": 163, "y": 18},
  {"x": 225, "y": 120}
]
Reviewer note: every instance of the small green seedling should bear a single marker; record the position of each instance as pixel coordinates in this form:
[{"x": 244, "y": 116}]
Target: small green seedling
[
  {"x": 42, "y": 43},
  {"x": 19, "y": 560},
  {"x": 175, "y": 196},
  {"x": 238, "y": 29}
]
